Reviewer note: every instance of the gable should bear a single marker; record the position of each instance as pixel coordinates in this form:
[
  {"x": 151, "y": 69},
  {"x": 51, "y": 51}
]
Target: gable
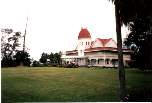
[
  {"x": 104, "y": 43},
  {"x": 111, "y": 43},
  {"x": 96, "y": 44}
]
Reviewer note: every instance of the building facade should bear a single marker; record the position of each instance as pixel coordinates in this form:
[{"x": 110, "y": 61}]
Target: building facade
[{"x": 100, "y": 52}]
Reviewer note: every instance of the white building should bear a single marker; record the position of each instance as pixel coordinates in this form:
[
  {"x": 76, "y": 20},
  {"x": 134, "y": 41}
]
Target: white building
[{"x": 101, "y": 52}]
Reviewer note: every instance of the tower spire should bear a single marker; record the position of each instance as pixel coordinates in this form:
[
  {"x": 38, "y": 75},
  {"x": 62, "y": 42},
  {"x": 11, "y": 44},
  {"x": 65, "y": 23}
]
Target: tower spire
[{"x": 25, "y": 35}]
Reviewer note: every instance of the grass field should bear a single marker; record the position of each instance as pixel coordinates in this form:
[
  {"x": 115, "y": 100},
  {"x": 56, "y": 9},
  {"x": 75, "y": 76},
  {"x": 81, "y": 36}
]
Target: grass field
[{"x": 50, "y": 84}]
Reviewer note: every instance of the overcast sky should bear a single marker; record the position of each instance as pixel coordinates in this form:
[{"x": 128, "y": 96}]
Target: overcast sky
[{"x": 54, "y": 25}]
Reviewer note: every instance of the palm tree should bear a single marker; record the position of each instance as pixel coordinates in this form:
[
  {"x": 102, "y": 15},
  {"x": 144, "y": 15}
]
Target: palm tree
[
  {"x": 120, "y": 54},
  {"x": 125, "y": 12}
]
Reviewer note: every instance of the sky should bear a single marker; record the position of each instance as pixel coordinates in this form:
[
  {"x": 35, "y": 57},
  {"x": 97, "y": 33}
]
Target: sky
[{"x": 54, "y": 25}]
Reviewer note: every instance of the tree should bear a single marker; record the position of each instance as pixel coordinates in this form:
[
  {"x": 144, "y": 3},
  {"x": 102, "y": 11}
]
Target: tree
[
  {"x": 140, "y": 41},
  {"x": 125, "y": 12},
  {"x": 52, "y": 58},
  {"x": 22, "y": 56},
  {"x": 36, "y": 63},
  {"x": 9, "y": 46},
  {"x": 44, "y": 58},
  {"x": 55, "y": 58}
]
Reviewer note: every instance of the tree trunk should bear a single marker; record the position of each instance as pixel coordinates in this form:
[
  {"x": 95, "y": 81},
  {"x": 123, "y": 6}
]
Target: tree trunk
[{"x": 120, "y": 55}]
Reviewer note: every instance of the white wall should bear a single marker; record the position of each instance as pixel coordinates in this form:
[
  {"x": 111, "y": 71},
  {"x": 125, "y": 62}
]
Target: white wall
[{"x": 81, "y": 46}]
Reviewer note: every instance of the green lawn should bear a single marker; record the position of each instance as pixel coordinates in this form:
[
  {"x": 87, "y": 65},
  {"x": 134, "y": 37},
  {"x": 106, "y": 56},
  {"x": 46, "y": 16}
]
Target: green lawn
[{"x": 50, "y": 84}]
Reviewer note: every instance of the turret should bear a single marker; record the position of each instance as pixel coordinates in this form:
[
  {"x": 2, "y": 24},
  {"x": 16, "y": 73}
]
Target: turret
[{"x": 84, "y": 41}]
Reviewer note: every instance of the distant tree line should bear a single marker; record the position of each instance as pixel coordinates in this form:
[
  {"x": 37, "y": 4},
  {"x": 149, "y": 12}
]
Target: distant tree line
[{"x": 52, "y": 59}]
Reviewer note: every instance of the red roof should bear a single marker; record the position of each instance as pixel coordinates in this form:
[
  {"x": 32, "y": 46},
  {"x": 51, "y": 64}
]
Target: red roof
[
  {"x": 84, "y": 33},
  {"x": 106, "y": 49},
  {"x": 98, "y": 49},
  {"x": 104, "y": 41}
]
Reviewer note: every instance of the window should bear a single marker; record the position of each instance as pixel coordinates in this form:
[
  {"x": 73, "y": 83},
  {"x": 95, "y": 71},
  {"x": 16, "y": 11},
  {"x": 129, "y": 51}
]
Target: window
[
  {"x": 98, "y": 61},
  {"x": 86, "y": 43},
  {"x": 114, "y": 62},
  {"x": 88, "y": 61},
  {"x": 93, "y": 61},
  {"x": 107, "y": 61},
  {"x": 82, "y": 43}
]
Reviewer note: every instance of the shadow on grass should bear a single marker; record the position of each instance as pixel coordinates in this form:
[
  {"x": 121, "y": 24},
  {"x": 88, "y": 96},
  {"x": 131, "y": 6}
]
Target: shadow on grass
[{"x": 140, "y": 94}]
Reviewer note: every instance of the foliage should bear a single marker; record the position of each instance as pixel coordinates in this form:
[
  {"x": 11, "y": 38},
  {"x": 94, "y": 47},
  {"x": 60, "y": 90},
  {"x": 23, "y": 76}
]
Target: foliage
[
  {"x": 9, "y": 46},
  {"x": 140, "y": 41},
  {"x": 130, "y": 9},
  {"x": 56, "y": 58},
  {"x": 53, "y": 59},
  {"x": 36, "y": 63},
  {"x": 44, "y": 58},
  {"x": 22, "y": 57},
  {"x": 8, "y": 62},
  {"x": 9, "y": 42},
  {"x": 11, "y": 55}
]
